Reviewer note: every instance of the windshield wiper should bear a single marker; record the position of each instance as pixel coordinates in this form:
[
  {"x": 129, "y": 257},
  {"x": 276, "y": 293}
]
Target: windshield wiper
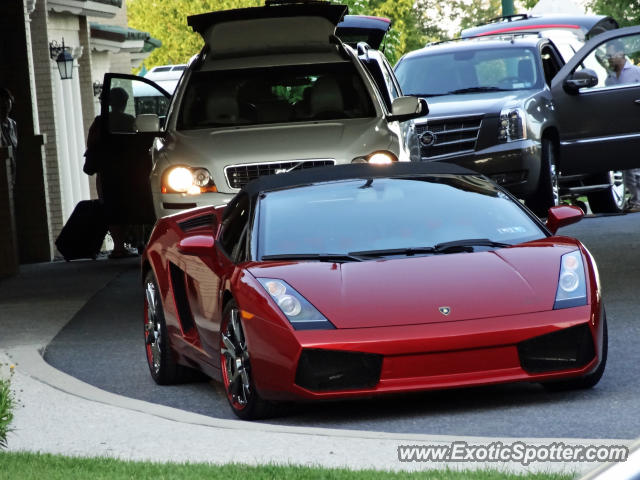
[
  {"x": 394, "y": 251},
  {"x": 321, "y": 257},
  {"x": 455, "y": 246},
  {"x": 476, "y": 90},
  {"x": 466, "y": 245}
]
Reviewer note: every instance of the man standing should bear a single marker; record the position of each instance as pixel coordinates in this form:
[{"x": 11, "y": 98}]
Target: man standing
[
  {"x": 8, "y": 129},
  {"x": 622, "y": 72}
]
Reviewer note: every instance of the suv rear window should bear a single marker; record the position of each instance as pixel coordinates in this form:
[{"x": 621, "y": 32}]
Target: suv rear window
[
  {"x": 490, "y": 69},
  {"x": 274, "y": 95}
]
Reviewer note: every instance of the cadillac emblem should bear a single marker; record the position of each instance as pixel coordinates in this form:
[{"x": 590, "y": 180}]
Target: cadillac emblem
[
  {"x": 445, "y": 310},
  {"x": 428, "y": 139}
]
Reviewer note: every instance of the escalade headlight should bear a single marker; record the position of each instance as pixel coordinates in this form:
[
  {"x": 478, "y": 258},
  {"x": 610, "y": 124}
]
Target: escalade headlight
[
  {"x": 513, "y": 125},
  {"x": 187, "y": 180},
  {"x": 381, "y": 157}
]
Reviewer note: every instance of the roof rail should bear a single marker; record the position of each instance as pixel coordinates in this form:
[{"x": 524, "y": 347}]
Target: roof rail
[
  {"x": 507, "y": 18},
  {"x": 504, "y": 35}
]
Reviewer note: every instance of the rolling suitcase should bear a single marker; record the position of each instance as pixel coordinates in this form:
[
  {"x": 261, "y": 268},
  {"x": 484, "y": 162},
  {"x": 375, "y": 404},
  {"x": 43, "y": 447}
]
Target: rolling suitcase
[{"x": 82, "y": 235}]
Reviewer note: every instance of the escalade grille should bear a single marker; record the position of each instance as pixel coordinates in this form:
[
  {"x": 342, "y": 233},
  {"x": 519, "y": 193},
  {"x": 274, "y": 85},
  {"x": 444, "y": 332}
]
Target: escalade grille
[
  {"x": 448, "y": 136},
  {"x": 240, "y": 175}
]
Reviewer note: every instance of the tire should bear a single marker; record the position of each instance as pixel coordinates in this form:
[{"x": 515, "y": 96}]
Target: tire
[
  {"x": 548, "y": 193},
  {"x": 162, "y": 366},
  {"x": 610, "y": 200},
  {"x": 235, "y": 365},
  {"x": 590, "y": 379}
]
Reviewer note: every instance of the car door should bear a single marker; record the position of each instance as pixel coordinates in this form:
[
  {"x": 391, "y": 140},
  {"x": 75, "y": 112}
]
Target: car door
[
  {"x": 127, "y": 101},
  {"x": 599, "y": 121}
]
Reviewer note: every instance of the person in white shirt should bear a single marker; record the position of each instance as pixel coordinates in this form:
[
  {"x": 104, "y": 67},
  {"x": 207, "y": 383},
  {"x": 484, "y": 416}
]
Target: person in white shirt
[{"x": 623, "y": 72}]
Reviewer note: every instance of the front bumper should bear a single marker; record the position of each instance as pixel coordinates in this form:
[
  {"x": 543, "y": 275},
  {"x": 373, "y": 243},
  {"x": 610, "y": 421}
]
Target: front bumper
[
  {"x": 417, "y": 357},
  {"x": 513, "y": 165},
  {"x": 169, "y": 203}
]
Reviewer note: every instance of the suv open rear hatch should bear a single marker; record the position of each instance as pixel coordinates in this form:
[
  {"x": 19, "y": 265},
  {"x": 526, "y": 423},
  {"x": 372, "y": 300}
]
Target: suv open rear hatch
[{"x": 274, "y": 28}]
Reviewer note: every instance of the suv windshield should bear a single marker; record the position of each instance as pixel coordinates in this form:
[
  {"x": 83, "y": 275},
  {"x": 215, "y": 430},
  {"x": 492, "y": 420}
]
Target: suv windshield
[
  {"x": 390, "y": 213},
  {"x": 274, "y": 95},
  {"x": 469, "y": 71}
]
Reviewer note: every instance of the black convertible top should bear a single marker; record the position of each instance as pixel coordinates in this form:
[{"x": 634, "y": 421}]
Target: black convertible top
[{"x": 353, "y": 170}]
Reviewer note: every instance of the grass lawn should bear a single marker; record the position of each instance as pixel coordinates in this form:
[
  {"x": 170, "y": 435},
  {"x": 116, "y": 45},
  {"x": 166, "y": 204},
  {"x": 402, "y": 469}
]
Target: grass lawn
[{"x": 26, "y": 466}]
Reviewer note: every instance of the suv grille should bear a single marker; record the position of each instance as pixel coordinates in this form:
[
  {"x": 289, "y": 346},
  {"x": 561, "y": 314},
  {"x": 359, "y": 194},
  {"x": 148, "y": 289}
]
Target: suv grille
[
  {"x": 449, "y": 136},
  {"x": 239, "y": 175}
]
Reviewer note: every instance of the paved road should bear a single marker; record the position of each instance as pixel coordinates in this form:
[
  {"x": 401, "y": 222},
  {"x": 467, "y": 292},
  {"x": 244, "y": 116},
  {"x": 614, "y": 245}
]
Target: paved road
[{"x": 102, "y": 345}]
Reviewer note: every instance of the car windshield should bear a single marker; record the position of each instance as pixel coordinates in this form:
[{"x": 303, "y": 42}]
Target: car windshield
[
  {"x": 355, "y": 216},
  {"x": 469, "y": 71},
  {"x": 296, "y": 93}
]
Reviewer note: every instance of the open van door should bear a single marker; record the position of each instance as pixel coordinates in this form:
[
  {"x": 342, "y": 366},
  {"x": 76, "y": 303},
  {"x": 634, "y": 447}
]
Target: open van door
[{"x": 129, "y": 105}]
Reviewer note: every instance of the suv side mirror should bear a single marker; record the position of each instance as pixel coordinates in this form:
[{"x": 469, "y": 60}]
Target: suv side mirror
[
  {"x": 563, "y": 215},
  {"x": 584, "y": 78},
  {"x": 407, "y": 108}
]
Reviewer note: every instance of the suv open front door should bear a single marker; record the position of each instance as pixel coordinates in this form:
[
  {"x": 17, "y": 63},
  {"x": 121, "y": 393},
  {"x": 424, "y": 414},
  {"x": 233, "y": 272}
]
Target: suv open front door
[
  {"x": 128, "y": 103},
  {"x": 598, "y": 110}
]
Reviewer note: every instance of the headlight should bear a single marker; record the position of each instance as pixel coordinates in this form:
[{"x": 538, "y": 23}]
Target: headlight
[
  {"x": 381, "y": 157},
  {"x": 300, "y": 313},
  {"x": 513, "y": 125},
  {"x": 572, "y": 286},
  {"x": 186, "y": 180}
]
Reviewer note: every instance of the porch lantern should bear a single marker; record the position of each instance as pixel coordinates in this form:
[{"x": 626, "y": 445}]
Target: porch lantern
[{"x": 63, "y": 58}]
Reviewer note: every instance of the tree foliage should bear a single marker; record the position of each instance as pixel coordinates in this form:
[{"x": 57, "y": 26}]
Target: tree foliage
[
  {"x": 624, "y": 11},
  {"x": 167, "y": 21},
  {"x": 414, "y": 22}
]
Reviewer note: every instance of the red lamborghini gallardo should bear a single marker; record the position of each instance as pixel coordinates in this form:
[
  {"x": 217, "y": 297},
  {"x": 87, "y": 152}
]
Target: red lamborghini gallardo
[{"x": 360, "y": 279}]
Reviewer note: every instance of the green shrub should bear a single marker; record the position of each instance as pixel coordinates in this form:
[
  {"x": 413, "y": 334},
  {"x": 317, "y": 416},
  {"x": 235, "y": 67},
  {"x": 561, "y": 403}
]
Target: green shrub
[{"x": 6, "y": 408}]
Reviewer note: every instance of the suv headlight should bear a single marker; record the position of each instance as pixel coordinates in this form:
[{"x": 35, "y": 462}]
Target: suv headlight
[
  {"x": 513, "y": 125},
  {"x": 381, "y": 157},
  {"x": 572, "y": 286},
  {"x": 187, "y": 180},
  {"x": 300, "y": 313}
]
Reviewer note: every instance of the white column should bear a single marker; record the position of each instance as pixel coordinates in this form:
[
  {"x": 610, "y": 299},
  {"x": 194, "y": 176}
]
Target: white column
[
  {"x": 78, "y": 161},
  {"x": 72, "y": 144},
  {"x": 66, "y": 182}
]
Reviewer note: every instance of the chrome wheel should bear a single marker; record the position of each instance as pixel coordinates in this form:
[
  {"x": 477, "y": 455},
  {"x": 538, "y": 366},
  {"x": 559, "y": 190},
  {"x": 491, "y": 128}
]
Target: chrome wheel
[
  {"x": 618, "y": 189},
  {"x": 610, "y": 199},
  {"x": 553, "y": 175},
  {"x": 236, "y": 369},
  {"x": 152, "y": 327}
]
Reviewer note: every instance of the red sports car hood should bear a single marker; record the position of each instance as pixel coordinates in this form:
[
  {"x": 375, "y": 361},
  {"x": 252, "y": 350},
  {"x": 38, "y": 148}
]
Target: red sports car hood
[{"x": 414, "y": 290}]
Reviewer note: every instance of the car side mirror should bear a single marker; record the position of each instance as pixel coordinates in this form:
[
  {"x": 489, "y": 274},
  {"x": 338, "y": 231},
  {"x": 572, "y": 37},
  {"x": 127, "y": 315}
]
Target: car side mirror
[
  {"x": 147, "y": 122},
  {"x": 406, "y": 108},
  {"x": 563, "y": 215},
  {"x": 584, "y": 78},
  {"x": 199, "y": 244}
]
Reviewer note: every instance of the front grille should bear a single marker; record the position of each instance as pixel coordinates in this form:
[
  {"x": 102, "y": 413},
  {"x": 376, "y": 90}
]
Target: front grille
[
  {"x": 239, "y": 175},
  {"x": 452, "y": 135},
  {"x": 320, "y": 370},
  {"x": 565, "y": 349}
]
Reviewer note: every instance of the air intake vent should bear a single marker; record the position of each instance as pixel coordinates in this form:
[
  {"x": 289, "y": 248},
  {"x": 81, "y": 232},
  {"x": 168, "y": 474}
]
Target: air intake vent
[
  {"x": 193, "y": 223},
  {"x": 178, "y": 282},
  {"x": 337, "y": 370},
  {"x": 565, "y": 349}
]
